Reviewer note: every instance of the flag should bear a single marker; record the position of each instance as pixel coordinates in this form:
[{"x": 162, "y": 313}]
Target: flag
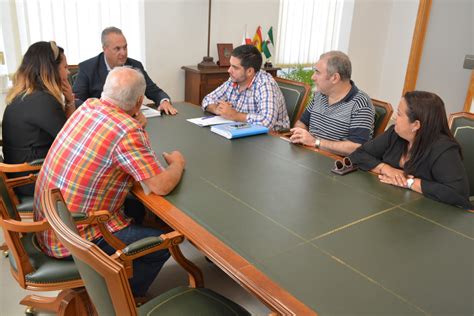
[
  {"x": 267, "y": 43},
  {"x": 257, "y": 39},
  {"x": 246, "y": 40}
]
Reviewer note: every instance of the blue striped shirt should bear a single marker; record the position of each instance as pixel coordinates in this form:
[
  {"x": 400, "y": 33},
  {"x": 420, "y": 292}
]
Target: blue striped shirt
[
  {"x": 262, "y": 100},
  {"x": 351, "y": 119}
]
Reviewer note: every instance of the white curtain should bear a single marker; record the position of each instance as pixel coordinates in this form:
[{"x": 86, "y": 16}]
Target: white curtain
[
  {"x": 76, "y": 26},
  {"x": 307, "y": 28}
]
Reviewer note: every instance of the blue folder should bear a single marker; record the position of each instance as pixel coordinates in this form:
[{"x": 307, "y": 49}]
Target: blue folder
[{"x": 237, "y": 130}]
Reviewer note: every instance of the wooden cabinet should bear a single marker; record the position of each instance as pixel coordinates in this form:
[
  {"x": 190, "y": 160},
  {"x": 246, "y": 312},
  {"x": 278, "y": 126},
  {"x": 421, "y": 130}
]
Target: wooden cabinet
[{"x": 199, "y": 82}]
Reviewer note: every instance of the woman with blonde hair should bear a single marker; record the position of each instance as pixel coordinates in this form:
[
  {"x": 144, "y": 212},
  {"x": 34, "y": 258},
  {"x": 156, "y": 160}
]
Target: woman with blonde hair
[{"x": 38, "y": 105}]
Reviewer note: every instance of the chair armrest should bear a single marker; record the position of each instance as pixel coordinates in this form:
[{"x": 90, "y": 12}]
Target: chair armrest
[
  {"x": 34, "y": 165},
  {"x": 24, "y": 227},
  {"x": 148, "y": 245},
  {"x": 100, "y": 218},
  {"x": 24, "y": 180}
]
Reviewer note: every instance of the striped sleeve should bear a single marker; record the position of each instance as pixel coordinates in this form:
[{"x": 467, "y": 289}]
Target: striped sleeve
[
  {"x": 219, "y": 94},
  {"x": 362, "y": 120}
]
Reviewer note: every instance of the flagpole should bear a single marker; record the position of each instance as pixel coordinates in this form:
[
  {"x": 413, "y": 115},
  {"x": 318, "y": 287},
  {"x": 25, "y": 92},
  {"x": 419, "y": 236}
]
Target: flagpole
[{"x": 208, "y": 61}]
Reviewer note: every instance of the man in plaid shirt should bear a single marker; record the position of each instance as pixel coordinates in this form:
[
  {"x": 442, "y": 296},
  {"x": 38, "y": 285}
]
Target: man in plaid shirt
[
  {"x": 101, "y": 150},
  {"x": 250, "y": 95}
]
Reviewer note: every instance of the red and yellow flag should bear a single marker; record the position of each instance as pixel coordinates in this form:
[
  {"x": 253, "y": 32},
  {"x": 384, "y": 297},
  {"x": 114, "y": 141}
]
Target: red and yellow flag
[{"x": 257, "y": 39}]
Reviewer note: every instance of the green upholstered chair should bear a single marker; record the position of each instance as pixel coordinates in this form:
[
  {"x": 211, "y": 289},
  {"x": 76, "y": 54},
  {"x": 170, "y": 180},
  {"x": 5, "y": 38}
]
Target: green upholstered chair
[
  {"x": 73, "y": 71},
  {"x": 296, "y": 96},
  {"x": 383, "y": 113},
  {"x": 462, "y": 127},
  {"x": 106, "y": 278},
  {"x": 24, "y": 204}
]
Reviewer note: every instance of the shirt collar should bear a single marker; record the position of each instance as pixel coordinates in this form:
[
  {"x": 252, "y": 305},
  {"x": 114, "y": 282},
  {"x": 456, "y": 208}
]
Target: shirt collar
[
  {"x": 352, "y": 93},
  {"x": 107, "y": 64},
  {"x": 235, "y": 84}
]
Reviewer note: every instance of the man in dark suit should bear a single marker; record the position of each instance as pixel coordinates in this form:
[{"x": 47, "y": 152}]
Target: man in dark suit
[{"x": 93, "y": 72}]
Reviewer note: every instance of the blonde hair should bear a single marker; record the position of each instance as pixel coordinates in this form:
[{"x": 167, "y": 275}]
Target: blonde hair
[{"x": 38, "y": 72}]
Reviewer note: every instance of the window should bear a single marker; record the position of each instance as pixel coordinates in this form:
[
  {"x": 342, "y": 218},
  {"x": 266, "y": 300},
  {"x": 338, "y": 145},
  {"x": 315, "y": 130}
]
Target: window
[
  {"x": 75, "y": 25},
  {"x": 308, "y": 28}
]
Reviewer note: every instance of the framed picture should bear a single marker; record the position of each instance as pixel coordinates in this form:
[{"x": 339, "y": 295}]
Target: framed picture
[{"x": 224, "y": 51}]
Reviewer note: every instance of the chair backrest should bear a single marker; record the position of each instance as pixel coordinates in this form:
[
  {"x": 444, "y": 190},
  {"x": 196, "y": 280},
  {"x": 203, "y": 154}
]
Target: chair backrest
[
  {"x": 296, "y": 96},
  {"x": 8, "y": 211},
  {"x": 383, "y": 113},
  {"x": 105, "y": 279},
  {"x": 462, "y": 127},
  {"x": 73, "y": 71}
]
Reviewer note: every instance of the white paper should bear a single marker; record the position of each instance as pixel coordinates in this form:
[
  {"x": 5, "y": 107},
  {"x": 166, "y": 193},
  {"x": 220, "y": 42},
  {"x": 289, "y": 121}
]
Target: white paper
[
  {"x": 209, "y": 120},
  {"x": 149, "y": 112}
]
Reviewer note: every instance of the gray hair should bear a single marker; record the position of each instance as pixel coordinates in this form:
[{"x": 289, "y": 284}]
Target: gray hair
[
  {"x": 107, "y": 31},
  {"x": 338, "y": 62},
  {"x": 124, "y": 86}
]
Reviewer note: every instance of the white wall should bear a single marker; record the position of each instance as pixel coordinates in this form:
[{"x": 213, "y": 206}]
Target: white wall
[
  {"x": 380, "y": 45},
  {"x": 449, "y": 37},
  {"x": 176, "y": 33}
]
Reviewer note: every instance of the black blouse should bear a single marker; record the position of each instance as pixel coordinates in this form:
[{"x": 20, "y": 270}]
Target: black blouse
[
  {"x": 442, "y": 173},
  {"x": 30, "y": 125}
]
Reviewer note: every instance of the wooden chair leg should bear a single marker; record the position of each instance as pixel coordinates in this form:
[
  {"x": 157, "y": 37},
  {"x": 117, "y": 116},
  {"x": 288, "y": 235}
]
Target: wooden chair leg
[
  {"x": 68, "y": 302},
  {"x": 195, "y": 274}
]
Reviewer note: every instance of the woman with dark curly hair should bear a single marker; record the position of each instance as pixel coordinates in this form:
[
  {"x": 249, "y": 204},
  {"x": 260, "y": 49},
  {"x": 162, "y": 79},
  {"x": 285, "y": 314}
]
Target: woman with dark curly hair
[{"x": 419, "y": 152}]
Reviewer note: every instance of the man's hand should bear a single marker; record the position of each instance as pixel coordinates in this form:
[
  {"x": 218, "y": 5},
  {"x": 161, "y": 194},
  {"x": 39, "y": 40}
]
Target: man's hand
[
  {"x": 301, "y": 136},
  {"x": 140, "y": 118},
  {"x": 226, "y": 110},
  {"x": 167, "y": 108},
  {"x": 175, "y": 157}
]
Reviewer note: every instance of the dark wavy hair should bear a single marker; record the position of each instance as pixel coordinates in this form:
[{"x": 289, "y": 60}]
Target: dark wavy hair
[
  {"x": 428, "y": 108},
  {"x": 39, "y": 71}
]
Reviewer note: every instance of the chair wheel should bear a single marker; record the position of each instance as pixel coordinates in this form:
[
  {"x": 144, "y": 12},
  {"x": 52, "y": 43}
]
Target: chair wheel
[{"x": 29, "y": 311}]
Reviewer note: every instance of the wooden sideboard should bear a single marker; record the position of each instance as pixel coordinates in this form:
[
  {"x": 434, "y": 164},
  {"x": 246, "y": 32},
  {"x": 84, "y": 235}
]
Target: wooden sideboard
[{"x": 200, "y": 81}]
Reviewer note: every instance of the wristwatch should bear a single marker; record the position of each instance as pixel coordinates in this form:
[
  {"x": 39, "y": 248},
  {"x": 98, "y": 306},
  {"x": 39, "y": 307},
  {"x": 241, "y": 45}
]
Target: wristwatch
[
  {"x": 317, "y": 142},
  {"x": 410, "y": 183}
]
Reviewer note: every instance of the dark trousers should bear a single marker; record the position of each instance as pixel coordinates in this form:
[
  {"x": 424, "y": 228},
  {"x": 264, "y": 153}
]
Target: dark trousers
[{"x": 146, "y": 268}]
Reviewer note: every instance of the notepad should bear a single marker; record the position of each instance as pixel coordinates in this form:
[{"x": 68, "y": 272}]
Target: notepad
[
  {"x": 149, "y": 112},
  {"x": 237, "y": 130},
  {"x": 209, "y": 120}
]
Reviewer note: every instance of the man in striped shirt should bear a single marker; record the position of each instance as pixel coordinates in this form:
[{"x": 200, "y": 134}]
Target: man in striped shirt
[
  {"x": 250, "y": 95},
  {"x": 340, "y": 117},
  {"x": 101, "y": 150}
]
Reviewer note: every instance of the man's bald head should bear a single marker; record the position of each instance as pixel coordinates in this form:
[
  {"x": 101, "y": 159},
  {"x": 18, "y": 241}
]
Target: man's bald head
[{"x": 124, "y": 86}]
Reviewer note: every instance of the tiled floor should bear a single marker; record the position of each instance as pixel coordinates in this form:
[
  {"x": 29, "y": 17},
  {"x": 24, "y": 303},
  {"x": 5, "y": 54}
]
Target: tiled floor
[{"x": 170, "y": 276}]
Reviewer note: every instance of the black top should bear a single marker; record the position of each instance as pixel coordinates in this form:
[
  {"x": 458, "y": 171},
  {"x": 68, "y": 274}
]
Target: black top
[
  {"x": 442, "y": 173},
  {"x": 93, "y": 72},
  {"x": 29, "y": 127}
]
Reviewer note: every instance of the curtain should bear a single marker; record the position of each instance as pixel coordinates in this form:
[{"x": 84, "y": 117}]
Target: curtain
[
  {"x": 76, "y": 26},
  {"x": 307, "y": 28}
]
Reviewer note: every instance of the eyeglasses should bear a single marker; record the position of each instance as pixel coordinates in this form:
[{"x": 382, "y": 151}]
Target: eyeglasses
[
  {"x": 55, "y": 49},
  {"x": 343, "y": 166}
]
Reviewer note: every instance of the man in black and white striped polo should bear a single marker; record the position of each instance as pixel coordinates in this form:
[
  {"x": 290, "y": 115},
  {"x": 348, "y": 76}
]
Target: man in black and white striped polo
[{"x": 340, "y": 117}]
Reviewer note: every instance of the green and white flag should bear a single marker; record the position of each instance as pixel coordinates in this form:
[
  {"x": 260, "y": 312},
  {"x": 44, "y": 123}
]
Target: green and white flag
[{"x": 268, "y": 44}]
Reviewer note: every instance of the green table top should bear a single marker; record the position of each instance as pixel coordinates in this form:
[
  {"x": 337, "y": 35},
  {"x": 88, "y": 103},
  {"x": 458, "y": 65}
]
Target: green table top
[{"x": 339, "y": 244}]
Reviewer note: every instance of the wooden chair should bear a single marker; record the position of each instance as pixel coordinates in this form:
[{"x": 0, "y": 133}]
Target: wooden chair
[
  {"x": 383, "y": 113},
  {"x": 296, "y": 96},
  {"x": 462, "y": 127},
  {"x": 24, "y": 204},
  {"x": 106, "y": 278},
  {"x": 73, "y": 71},
  {"x": 33, "y": 269}
]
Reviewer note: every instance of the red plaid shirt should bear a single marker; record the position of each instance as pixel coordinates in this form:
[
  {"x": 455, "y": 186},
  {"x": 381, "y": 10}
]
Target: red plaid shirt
[{"x": 93, "y": 161}]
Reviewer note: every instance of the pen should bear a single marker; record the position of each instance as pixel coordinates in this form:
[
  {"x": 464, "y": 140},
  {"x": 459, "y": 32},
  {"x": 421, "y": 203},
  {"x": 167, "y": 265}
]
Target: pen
[{"x": 207, "y": 117}]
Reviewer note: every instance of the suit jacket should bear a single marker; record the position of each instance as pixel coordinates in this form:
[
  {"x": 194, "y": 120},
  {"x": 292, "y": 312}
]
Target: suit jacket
[{"x": 93, "y": 72}]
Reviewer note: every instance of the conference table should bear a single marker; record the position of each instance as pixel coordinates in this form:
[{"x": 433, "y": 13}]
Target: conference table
[{"x": 303, "y": 240}]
